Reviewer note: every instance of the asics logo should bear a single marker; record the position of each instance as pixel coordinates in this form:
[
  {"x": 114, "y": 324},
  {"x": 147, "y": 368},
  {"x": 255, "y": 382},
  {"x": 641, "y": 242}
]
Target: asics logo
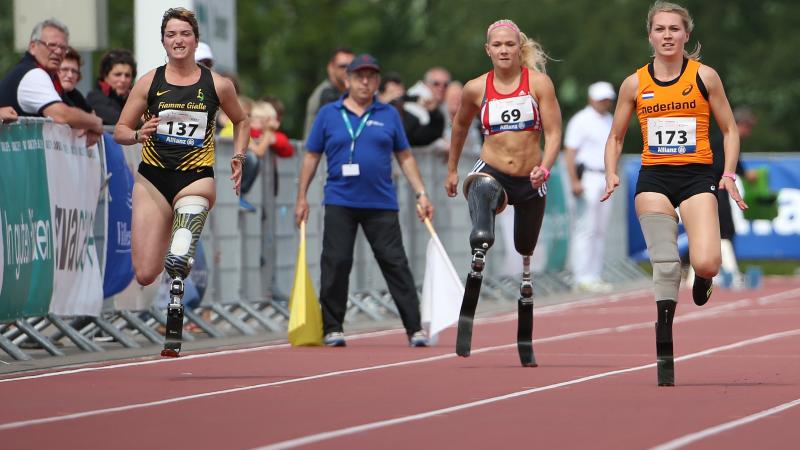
[
  {"x": 160, "y": 93},
  {"x": 688, "y": 89}
]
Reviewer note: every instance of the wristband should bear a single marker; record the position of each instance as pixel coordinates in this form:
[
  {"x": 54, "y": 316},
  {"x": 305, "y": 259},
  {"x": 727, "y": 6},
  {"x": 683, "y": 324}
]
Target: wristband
[
  {"x": 420, "y": 194},
  {"x": 239, "y": 157},
  {"x": 730, "y": 175},
  {"x": 546, "y": 172},
  {"x": 136, "y": 135}
]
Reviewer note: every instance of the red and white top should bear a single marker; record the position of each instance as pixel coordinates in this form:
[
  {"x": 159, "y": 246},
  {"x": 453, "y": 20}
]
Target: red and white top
[{"x": 517, "y": 111}]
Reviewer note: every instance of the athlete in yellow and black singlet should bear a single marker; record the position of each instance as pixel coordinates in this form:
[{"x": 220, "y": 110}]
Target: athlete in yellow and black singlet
[
  {"x": 181, "y": 151},
  {"x": 184, "y": 140}
]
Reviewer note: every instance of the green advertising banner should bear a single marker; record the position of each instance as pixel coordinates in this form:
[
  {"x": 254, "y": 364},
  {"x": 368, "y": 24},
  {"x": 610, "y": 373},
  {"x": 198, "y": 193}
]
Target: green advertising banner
[{"x": 26, "y": 235}]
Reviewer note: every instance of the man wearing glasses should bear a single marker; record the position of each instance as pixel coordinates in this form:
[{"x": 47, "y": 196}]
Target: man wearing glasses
[
  {"x": 32, "y": 87},
  {"x": 331, "y": 89}
]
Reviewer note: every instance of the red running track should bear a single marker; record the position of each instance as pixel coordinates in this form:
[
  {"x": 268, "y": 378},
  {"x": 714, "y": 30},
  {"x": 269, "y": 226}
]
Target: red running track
[{"x": 737, "y": 387}]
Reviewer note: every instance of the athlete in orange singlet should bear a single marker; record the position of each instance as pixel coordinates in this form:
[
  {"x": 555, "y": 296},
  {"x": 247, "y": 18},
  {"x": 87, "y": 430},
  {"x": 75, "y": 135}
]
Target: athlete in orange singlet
[{"x": 673, "y": 97}]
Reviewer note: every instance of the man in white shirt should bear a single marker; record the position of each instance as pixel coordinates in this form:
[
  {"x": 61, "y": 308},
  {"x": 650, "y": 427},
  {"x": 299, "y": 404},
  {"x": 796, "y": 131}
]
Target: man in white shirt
[
  {"x": 32, "y": 87},
  {"x": 584, "y": 145}
]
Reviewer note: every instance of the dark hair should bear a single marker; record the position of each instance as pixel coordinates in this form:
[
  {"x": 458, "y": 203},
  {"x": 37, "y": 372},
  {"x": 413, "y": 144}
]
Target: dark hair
[
  {"x": 276, "y": 103},
  {"x": 114, "y": 57},
  {"x": 180, "y": 14},
  {"x": 73, "y": 54},
  {"x": 345, "y": 50},
  {"x": 389, "y": 77}
]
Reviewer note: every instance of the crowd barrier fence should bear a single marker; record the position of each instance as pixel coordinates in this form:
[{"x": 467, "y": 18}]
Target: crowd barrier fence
[{"x": 249, "y": 257}]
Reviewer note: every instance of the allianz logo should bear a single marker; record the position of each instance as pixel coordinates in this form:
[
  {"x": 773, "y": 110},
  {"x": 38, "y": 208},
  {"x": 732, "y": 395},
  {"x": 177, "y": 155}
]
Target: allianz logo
[{"x": 786, "y": 224}]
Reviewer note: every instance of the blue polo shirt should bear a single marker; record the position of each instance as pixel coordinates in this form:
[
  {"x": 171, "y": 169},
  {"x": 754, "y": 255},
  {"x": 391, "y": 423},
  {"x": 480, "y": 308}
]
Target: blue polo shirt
[{"x": 383, "y": 135}]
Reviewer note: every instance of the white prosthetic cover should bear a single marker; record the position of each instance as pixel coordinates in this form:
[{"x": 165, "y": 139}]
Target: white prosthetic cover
[
  {"x": 661, "y": 234},
  {"x": 187, "y": 224}
]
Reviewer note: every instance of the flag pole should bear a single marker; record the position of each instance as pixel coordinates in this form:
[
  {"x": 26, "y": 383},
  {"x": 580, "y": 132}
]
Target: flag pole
[{"x": 428, "y": 223}]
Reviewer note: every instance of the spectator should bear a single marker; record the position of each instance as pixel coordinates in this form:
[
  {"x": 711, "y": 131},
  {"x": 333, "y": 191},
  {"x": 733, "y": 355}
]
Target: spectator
[
  {"x": 358, "y": 136},
  {"x": 584, "y": 146},
  {"x": 329, "y": 90},
  {"x": 391, "y": 88},
  {"x": 425, "y": 123},
  {"x": 452, "y": 99},
  {"x": 204, "y": 56},
  {"x": 117, "y": 72},
  {"x": 32, "y": 87},
  {"x": 70, "y": 74},
  {"x": 7, "y": 114},
  {"x": 264, "y": 135},
  {"x": 282, "y": 147}
]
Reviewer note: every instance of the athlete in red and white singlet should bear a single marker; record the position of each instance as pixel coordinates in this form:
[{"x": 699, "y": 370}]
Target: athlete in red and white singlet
[{"x": 517, "y": 111}]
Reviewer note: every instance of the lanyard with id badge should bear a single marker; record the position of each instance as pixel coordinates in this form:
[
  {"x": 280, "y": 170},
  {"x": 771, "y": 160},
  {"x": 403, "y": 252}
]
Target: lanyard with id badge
[{"x": 351, "y": 169}]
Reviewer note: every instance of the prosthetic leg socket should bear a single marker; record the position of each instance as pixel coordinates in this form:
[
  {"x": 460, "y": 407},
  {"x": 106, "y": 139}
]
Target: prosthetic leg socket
[
  {"x": 188, "y": 221},
  {"x": 485, "y": 197}
]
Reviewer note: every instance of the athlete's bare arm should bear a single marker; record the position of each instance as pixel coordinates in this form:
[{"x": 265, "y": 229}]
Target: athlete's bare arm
[
  {"x": 721, "y": 109},
  {"x": 135, "y": 107},
  {"x": 470, "y": 105},
  {"x": 545, "y": 92},
  {"x": 229, "y": 103},
  {"x": 626, "y": 103}
]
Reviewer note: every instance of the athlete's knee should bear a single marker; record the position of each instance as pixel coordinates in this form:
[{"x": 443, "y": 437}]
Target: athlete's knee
[
  {"x": 661, "y": 233},
  {"x": 706, "y": 267},
  {"x": 486, "y": 198},
  {"x": 188, "y": 221},
  {"x": 146, "y": 278}
]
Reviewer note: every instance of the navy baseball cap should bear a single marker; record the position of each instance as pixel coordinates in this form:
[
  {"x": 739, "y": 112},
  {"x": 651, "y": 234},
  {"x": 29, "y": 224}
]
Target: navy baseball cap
[{"x": 363, "y": 61}]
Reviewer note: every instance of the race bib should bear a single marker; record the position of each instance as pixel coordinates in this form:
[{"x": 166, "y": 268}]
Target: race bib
[
  {"x": 182, "y": 127},
  {"x": 671, "y": 135},
  {"x": 509, "y": 114}
]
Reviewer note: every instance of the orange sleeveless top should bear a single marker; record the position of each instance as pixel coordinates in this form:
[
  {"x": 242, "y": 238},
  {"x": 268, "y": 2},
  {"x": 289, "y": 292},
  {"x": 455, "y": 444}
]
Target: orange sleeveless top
[{"x": 674, "y": 117}]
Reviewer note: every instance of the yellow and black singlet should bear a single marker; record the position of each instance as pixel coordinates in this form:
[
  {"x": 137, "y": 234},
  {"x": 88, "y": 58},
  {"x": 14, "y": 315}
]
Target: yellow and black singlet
[
  {"x": 674, "y": 117},
  {"x": 184, "y": 139}
]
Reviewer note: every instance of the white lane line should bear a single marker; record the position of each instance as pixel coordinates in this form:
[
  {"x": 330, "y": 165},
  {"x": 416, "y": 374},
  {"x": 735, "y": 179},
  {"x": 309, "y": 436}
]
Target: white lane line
[
  {"x": 708, "y": 432},
  {"x": 546, "y": 310},
  {"x": 314, "y": 438},
  {"x": 45, "y": 420},
  {"x": 709, "y": 312}
]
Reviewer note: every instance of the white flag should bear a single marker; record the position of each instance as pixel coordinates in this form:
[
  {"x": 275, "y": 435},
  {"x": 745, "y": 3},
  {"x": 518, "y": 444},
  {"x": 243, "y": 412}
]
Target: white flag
[{"x": 442, "y": 290}]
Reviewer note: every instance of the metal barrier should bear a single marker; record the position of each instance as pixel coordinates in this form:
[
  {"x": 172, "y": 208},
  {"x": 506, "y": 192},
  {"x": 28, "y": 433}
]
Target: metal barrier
[{"x": 251, "y": 262}]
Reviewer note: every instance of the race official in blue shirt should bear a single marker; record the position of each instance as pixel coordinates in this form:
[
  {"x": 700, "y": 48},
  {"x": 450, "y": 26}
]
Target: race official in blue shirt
[{"x": 358, "y": 136}]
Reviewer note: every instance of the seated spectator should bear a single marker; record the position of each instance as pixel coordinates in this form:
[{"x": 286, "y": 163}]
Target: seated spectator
[
  {"x": 70, "y": 75},
  {"x": 32, "y": 87},
  {"x": 117, "y": 72}
]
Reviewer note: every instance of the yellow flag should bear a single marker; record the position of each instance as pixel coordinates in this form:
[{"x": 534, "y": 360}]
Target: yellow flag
[{"x": 305, "y": 315}]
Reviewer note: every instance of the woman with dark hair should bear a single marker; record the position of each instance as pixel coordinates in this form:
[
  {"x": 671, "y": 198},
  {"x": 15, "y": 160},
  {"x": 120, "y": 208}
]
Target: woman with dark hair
[
  {"x": 175, "y": 187},
  {"x": 69, "y": 74},
  {"x": 117, "y": 72}
]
